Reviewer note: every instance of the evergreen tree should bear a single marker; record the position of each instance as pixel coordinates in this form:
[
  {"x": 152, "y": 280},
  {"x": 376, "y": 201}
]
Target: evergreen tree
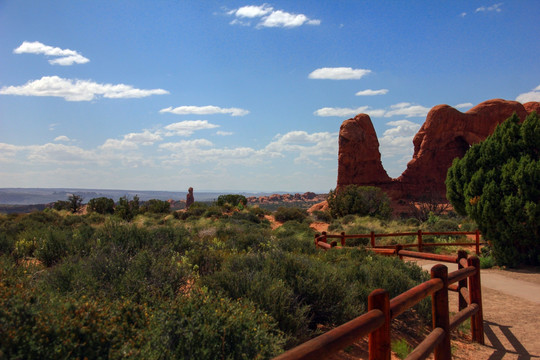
[{"x": 497, "y": 184}]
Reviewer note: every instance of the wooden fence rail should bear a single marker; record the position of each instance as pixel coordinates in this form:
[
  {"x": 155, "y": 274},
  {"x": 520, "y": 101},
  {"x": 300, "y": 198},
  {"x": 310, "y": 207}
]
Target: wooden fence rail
[
  {"x": 381, "y": 311},
  {"x": 420, "y": 244}
]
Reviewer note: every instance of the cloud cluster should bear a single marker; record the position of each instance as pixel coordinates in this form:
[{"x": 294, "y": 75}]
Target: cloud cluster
[
  {"x": 396, "y": 145},
  {"x": 77, "y": 90},
  {"x": 402, "y": 109},
  {"x": 204, "y": 110},
  {"x": 63, "y": 57},
  {"x": 494, "y": 7},
  {"x": 533, "y": 95},
  {"x": 268, "y": 17},
  {"x": 338, "y": 73}
]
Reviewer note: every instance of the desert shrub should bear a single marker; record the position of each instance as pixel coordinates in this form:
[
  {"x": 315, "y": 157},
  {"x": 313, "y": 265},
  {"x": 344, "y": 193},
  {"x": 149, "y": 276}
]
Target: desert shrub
[
  {"x": 246, "y": 216},
  {"x": 444, "y": 225},
  {"x": 205, "y": 326},
  {"x": 101, "y": 205},
  {"x": 196, "y": 210},
  {"x": 232, "y": 199},
  {"x": 51, "y": 246},
  {"x": 413, "y": 222},
  {"x": 156, "y": 206},
  {"x": 7, "y": 243},
  {"x": 213, "y": 212},
  {"x": 258, "y": 211},
  {"x": 61, "y": 205},
  {"x": 323, "y": 216},
  {"x": 127, "y": 209},
  {"x": 359, "y": 200},
  {"x": 284, "y": 214}
]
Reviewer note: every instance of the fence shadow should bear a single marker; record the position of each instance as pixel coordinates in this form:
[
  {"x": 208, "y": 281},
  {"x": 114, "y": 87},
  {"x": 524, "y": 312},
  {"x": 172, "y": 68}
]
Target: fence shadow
[{"x": 500, "y": 350}]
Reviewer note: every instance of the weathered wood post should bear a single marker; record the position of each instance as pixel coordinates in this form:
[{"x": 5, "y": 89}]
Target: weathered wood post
[
  {"x": 379, "y": 340},
  {"x": 440, "y": 313},
  {"x": 462, "y": 254},
  {"x": 343, "y": 238},
  {"x": 475, "y": 293},
  {"x": 477, "y": 242},
  {"x": 399, "y": 247},
  {"x": 372, "y": 239},
  {"x": 420, "y": 246}
]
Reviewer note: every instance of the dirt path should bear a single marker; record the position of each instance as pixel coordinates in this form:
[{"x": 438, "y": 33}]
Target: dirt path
[{"x": 511, "y": 304}]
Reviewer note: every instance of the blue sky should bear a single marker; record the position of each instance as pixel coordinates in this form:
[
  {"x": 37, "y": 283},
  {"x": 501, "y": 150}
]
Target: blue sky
[{"x": 240, "y": 95}]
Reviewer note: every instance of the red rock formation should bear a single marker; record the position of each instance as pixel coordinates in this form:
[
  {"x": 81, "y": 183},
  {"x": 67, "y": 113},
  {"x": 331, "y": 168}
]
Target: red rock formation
[
  {"x": 189, "y": 198},
  {"x": 359, "y": 158},
  {"x": 446, "y": 134}
]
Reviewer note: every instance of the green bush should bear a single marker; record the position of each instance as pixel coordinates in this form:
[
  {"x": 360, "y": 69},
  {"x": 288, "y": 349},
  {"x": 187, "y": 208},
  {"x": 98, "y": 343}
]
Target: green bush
[
  {"x": 284, "y": 214},
  {"x": 205, "y": 326},
  {"x": 101, "y": 205},
  {"x": 232, "y": 199},
  {"x": 323, "y": 216},
  {"x": 156, "y": 206},
  {"x": 359, "y": 200},
  {"x": 127, "y": 209}
]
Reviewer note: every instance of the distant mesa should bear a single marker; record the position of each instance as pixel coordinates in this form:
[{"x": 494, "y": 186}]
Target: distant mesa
[
  {"x": 286, "y": 198},
  {"x": 446, "y": 134}
]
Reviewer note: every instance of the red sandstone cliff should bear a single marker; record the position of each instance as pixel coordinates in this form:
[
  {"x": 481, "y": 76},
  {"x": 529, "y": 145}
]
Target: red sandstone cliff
[{"x": 446, "y": 134}]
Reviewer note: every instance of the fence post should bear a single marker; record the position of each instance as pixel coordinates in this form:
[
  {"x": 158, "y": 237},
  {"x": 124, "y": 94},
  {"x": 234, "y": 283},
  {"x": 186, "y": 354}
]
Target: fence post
[
  {"x": 441, "y": 316},
  {"x": 477, "y": 242},
  {"x": 379, "y": 340},
  {"x": 420, "y": 246},
  {"x": 343, "y": 238},
  {"x": 399, "y": 247},
  {"x": 372, "y": 239},
  {"x": 475, "y": 293},
  {"x": 462, "y": 254}
]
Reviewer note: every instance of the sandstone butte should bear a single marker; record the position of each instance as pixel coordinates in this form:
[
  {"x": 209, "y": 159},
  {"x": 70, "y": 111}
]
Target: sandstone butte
[{"x": 446, "y": 134}]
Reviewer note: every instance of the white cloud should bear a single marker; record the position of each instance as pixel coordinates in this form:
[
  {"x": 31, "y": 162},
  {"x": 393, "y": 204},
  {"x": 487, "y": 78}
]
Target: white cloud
[
  {"x": 270, "y": 17},
  {"x": 463, "y": 14},
  {"x": 188, "y": 127},
  {"x": 145, "y": 138},
  {"x": 396, "y": 145},
  {"x": 309, "y": 147},
  {"x": 62, "y": 138},
  {"x": 115, "y": 144},
  {"x": 77, "y": 90},
  {"x": 464, "y": 105},
  {"x": 369, "y": 92},
  {"x": 186, "y": 145},
  {"x": 204, "y": 110},
  {"x": 494, "y": 7},
  {"x": 252, "y": 11},
  {"x": 340, "y": 112},
  {"x": 65, "y": 57},
  {"x": 60, "y": 153},
  {"x": 408, "y": 110},
  {"x": 533, "y": 95},
  {"x": 338, "y": 73},
  {"x": 224, "y": 133}
]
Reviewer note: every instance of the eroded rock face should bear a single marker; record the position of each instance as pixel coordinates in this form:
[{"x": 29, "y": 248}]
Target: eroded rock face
[
  {"x": 446, "y": 134},
  {"x": 189, "y": 198},
  {"x": 359, "y": 159}
]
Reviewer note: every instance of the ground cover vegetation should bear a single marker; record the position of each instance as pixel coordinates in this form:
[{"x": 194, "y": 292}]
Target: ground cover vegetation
[
  {"x": 497, "y": 184},
  {"x": 212, "y": 282}
]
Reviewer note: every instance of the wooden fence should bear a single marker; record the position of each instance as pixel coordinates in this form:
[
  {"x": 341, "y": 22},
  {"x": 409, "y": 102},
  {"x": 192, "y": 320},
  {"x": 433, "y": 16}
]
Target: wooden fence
[
  {"x": 321, "y": 239},
  {"x": 381, "y": 311}
]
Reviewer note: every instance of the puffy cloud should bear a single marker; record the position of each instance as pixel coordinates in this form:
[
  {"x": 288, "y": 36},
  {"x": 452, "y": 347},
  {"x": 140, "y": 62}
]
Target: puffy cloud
[
  {"x": 204, "y": 110},
  {"x": 369, "y": 92},
  {"x": 186, "y": 145},
  {"x": 188, "y": 127},
  {"x": 224, "y": 133},
  {"x": 115, "y": 144},
  {"x": 533, "y": 95},
  {"x": 338, "y": 73},
  {"x": 494, "y": 7},
  {"x": 464, "y": 105},
  {"x": 145, "y": 138},
  {"x": 77, "y": 90},
  {"x": 64, "y": 57},
  {"x": 309, "y": 147},
  {"x": 407, "y": 109},
  {"x": 62, "y": 138},
  {"x": 60, "y": 153},
  {"x": 396, "y": 145},
  {"x": 270, "y": 17}
]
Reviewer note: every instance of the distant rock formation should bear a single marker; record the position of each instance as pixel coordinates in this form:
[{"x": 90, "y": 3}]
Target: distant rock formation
[
  {"x": 189, "y": 198},
  {"x": 446, "y": 134},
  {"x": 287, "y": 198}
]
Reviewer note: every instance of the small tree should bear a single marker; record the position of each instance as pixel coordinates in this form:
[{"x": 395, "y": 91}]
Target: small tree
[
  {"x": 127, "y": 209},
  {"x": 75, "y": 203},
  {"x": 497, "y": 184},
  {"x": 101, "y": 205},
  {"x": 156, "y": 206},
  {"x": 61, "y": 205},
  {"x": 359, "y": 200}
]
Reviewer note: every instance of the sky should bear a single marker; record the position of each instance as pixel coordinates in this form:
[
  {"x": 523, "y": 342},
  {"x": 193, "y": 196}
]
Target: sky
[{"x": 241, "y": 96}]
